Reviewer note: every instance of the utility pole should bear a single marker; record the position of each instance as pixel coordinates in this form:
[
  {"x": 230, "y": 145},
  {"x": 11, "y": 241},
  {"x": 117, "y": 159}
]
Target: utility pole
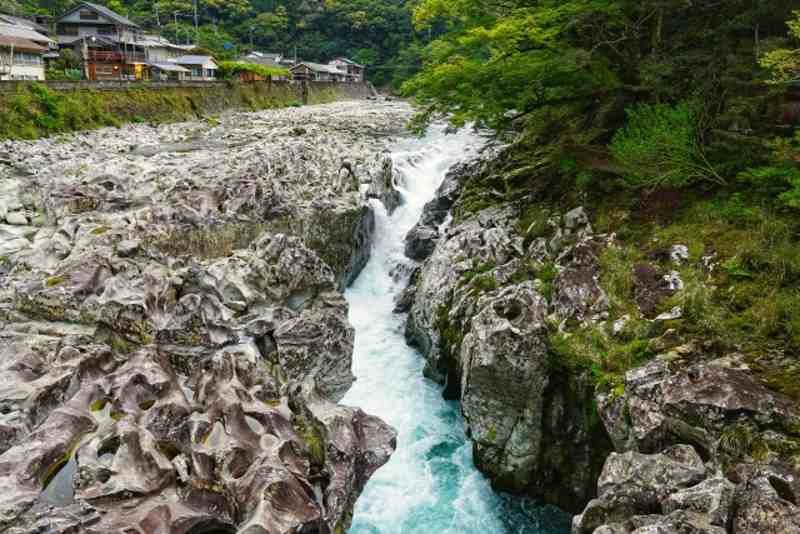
[
  {"x": 176, "y": 28},
  {"x": 196, "y": 24},
  {"x": 252, "y": 29},
  {"x": 158, "y": 19}
]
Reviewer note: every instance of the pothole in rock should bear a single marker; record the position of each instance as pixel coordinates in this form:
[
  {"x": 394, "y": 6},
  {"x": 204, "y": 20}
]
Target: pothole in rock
[{"x": 298, "y": 300}]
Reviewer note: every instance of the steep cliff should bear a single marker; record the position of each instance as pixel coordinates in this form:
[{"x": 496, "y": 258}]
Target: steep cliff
[{"x": 596, "y": 366}]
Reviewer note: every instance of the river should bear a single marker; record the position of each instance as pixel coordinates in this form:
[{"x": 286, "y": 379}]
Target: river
[{"x": 430, "y": 485}]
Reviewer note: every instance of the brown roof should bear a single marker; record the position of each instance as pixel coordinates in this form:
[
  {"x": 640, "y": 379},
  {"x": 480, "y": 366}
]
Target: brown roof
[{"x": 21, "y": 44}]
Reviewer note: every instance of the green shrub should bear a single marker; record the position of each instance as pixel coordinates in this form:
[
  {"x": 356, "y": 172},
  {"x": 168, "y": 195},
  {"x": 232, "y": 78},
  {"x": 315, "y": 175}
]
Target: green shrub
[
  {"x": 660, "y": 147},
  {"x": 230, "y": 69}
]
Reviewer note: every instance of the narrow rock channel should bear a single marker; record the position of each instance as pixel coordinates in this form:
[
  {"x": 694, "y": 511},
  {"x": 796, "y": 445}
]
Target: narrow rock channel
[{"x": 430, "y": 484}]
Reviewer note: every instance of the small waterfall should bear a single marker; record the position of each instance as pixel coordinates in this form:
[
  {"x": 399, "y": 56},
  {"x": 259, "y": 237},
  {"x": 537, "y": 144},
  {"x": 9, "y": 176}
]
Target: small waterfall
[{"x": 430, "y": 485}]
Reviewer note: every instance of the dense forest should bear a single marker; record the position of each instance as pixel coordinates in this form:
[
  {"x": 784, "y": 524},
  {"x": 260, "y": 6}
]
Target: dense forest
[{"x": 378, "y": 33}]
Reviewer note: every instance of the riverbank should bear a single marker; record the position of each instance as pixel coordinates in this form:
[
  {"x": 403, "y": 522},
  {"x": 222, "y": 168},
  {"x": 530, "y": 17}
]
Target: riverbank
[
  {"x": 34, "y": 110},
  {"x": 628, "y": 355}
]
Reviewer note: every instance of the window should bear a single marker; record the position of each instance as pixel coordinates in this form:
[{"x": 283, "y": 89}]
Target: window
[
  {"x": 89, "y": 15},
  {"x": 105, "y": 71},
  {"x": 25, "y": 58},
  {"x": 106, "y": 30},
  {"x": 68, "y": 29}
]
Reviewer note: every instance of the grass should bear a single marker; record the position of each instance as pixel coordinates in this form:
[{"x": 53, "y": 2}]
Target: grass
[
  {"x": 602, "y": 357},
  {"x": 747, "y": 301},
  {"x": 36, "y": 111}
]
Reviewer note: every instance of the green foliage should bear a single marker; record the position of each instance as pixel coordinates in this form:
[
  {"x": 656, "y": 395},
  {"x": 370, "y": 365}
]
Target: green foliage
[
  {"x": 230, "y": 69},
  {"x": 779, "y": 179},
  {"x": 784, "y": 63},
  {"x": 660, "y": 147},
  {"x": 604, "y": 359},
  {"x": 36, "y": 111}
]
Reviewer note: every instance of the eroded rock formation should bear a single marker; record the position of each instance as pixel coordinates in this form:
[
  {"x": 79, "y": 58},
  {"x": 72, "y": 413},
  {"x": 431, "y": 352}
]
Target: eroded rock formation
[{"x": 174, "y": 339}]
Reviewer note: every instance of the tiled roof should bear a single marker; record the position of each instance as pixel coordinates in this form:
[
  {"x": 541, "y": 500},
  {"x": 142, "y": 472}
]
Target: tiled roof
[
  {"x": 25, "y": 23},
  {"x": 11, "y": 30},
  {"x": 193, "y": 60},
  {"x": 168, "y": 67},
  {"x": 318, "y": 67},
  {"x": 21, "y": 44},
  {"x": 116, "y": 17}
]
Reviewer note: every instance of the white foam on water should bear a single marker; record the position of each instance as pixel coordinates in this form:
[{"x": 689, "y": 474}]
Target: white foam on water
[{"x": 430, "y": 484}]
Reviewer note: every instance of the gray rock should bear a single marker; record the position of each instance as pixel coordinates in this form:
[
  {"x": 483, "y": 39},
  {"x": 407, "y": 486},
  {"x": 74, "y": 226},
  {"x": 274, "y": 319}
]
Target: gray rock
[
  {"x": 635, "y": 484},
  {"x": 577, "y": 295},
  {"x": 765, "y": 505},
  {"x": 16, "y": 218},
  {"x": 576, "y": 219},
  {"x": 484, "y": 337},
  {"x": 712, "y": 498},
  {"x": 421, "y": 242},
  {"x": 679, "y": 254},
  {"x": 174, "y": 341},
  {"x": 504, "y": 376}
]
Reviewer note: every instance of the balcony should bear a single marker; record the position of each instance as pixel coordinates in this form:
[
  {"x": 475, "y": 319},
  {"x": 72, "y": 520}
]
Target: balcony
[{"x": 102, "y": 56}]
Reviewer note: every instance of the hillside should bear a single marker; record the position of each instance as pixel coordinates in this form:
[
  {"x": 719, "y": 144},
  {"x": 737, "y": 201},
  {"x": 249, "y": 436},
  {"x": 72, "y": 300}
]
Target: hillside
[{"x": 377, "y": 33}]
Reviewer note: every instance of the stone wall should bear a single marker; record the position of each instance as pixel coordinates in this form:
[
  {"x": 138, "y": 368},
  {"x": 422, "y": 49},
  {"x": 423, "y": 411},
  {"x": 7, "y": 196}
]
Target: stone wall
[{"x": 29, "y": 111}]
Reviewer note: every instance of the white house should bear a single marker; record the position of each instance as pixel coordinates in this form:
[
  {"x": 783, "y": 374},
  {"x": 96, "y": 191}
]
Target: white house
[
  {"x": 353, "y": 70},
  {"x": 21, "y": 53},
  {"x": 201, "y": 68}
]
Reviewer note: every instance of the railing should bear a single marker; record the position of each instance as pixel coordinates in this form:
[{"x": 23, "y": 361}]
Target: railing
[{"x": 116, "y": 57}]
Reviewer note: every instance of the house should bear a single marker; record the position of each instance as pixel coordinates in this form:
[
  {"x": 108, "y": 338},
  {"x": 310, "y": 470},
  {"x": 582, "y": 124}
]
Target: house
[
  {"x": 92, "y": 20},
  {"x": 105, "y": 40},
  {"x": 317, "y": 72},
  {"x": 21, "y": 53},
  {"x": 201, "y": 68},
  {"x": 164, "y": 72},
  {"x": 115, "y": 48},
  {"x": 353, "y": 71}
]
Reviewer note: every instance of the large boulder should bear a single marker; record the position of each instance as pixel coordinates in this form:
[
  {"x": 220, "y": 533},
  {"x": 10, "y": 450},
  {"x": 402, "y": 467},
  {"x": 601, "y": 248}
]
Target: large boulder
[
  {"x": 480, "y": 318},
  {"x": 636, "y": 484}
]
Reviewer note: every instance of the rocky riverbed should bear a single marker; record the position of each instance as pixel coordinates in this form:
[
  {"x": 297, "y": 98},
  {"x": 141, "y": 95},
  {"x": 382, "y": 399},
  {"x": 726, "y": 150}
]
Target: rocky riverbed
[{"x": 174, "y": 338}]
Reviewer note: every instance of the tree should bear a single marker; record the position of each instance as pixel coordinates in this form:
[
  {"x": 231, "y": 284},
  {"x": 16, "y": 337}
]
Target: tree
[{"x": 784, "y": 63}]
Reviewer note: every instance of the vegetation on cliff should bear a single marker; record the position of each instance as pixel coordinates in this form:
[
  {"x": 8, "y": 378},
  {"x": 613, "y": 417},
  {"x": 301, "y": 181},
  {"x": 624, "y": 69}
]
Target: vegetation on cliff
[{"x": 674, "y": 122}]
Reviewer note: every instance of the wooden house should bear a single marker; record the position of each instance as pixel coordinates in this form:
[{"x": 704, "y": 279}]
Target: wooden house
[{"x": 317, "y": 72}]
